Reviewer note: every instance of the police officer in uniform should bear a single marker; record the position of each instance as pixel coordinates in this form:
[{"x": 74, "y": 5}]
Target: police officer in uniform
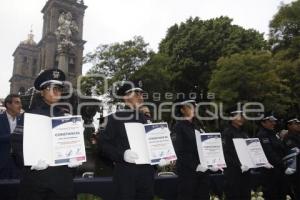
[
  {"x": 131, "y": 181},
  {"x": 40, "y": 181},
  {"x": 193, "y": 178},
  {"x": 272, "y": 175},
  {"x": 237, "y": 176},
  {"x": 292, "y": 142}
]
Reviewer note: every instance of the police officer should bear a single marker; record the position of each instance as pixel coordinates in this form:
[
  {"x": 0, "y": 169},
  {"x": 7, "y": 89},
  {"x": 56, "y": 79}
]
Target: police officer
[
  {"x": 237, "y": 184},
  {"x": 131, "y": 181},
  {"x": 272, "y": 175},
  {"x": 193, "y": 178},
  {"x": 40, "y": 181},
  {"x": 292, "y": 142}
]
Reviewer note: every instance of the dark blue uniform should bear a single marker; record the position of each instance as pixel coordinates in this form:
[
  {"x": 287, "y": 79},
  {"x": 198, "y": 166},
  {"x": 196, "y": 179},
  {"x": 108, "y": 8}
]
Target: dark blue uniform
[
  {"x": 290, "y": 141},
  {"x": 274, "y": 185},
  {"x": 53, "y": 183},
  {"x": 192, "y": 185},
  {"x": 130, "y": 181},
  {"x": 237, "y": 184}
]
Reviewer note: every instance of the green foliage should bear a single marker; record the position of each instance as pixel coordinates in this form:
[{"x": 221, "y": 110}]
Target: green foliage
[
  {"x": 87, "y": 197},
  {"x": 250, "y": 77},
  {"x": 156, "y": 81},
  {"x": 284, "y": 30},
  {"x": 289, "y": 72},
  {"x": 285, "y": 41},
  {"x": 196, "y": 45},
  {"x": 213, "y": 54},
  {"x": 155, "y": 76},
  {"x": 119, "y": 60}
]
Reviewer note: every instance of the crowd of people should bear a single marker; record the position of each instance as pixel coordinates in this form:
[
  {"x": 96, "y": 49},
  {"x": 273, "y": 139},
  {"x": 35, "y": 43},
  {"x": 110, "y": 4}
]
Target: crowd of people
[
  {"x": 136, "y": 181},
  {"x": 277, "y": 179}
]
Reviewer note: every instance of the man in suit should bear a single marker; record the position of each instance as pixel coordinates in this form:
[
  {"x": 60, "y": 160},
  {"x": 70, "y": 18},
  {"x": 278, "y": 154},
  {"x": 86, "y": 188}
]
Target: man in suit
[{"x": 8, "y": 122}]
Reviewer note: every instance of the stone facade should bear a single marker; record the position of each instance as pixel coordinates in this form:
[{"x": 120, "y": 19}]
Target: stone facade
[{"x": 61, "y": 45}]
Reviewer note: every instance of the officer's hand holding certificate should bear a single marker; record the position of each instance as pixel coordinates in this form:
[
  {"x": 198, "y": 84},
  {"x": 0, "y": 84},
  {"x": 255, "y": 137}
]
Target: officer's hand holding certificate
[
  {"x": 151, "y": 142},
  {"x": 57, "y": 140}
]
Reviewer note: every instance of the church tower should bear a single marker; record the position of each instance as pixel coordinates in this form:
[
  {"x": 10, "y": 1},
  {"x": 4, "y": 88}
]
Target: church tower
[
  {"x": 61, "y": 45},
  {"x": 26, "y": 65}
]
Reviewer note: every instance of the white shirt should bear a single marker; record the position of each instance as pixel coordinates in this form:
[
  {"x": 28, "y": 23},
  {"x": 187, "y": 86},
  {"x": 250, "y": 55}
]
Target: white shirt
[{"x": 12, "y": 122}]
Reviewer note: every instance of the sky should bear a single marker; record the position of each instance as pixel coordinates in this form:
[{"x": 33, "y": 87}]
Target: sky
[{"x": 109, "y": 21}]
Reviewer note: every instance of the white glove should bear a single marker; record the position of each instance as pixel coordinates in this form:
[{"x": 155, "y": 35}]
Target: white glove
[
  {"x": 201, "y": 168},
  {"x": 41, "y": 165},
  {"x": 74, "y": 163},
  {"x": 130, "y": 156},
  {"x": 163, "y": 162},
  {"x": 269, "y": 166},
  {"x": 244, "y": 168},
  {"x": 296, "y": 149},
  {"x": 214, "y": 169},
  {"x": 289, "y": 171}
]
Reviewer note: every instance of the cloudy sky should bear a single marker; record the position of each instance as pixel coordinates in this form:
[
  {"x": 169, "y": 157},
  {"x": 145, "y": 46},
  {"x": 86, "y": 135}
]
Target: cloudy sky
[{"x": 108, "y": 21}]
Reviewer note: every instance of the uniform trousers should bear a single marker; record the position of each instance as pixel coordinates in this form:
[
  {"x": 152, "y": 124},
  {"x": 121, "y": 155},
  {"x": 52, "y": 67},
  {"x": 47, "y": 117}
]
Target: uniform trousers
[
  {"x": 237, "y": 184},
  {"x": 54, "y": 183},
  {"x": 133, "y": 182},
  {"x": 193, "y": 185}
]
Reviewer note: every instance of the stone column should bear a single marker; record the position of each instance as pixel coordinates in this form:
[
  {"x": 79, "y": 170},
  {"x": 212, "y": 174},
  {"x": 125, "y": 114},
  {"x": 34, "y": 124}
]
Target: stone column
[{"x": 63, "y": 62}]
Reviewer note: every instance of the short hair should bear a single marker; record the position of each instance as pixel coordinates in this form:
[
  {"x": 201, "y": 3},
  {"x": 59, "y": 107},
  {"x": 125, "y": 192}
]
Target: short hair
[{"x": 9, "y": 98}]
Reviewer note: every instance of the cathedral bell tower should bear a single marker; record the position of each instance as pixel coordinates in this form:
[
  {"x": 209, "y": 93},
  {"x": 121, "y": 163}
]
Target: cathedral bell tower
[
  {"x": 62, "y": 45},
  {"x": 26, "y": 67}
]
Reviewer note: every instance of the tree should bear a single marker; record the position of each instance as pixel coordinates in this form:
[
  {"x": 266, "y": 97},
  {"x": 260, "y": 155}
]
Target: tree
[
  {"x": 289, "y": 73},
  {"x": 119, "y": 60},
  {"x": 285, "y": 31},
  {"x": 156, "y": 78},
  {"x": 285, "y": 40},
  {"x": 156, "y": 83},
  {"x": 250, "y": 77},
  {"x": 195, "y": 46}
]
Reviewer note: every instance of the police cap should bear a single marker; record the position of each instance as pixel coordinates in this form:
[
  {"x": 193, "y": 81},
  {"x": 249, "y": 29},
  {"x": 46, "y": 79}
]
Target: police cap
[
  {"x": 269, "y": 115},
  {"x": 49, "y": 77},
  {"x": 292, "y": 120},
  {"x": 129, "y": 86},
  {"x": 185, "y": 99},
  {"x": 235, "y": 110},
  {"x": 181, "y": 101}
]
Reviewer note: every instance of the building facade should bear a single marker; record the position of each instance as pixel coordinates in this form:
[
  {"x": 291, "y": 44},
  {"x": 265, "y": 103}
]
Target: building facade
[{"x": 61, "y": 45}]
